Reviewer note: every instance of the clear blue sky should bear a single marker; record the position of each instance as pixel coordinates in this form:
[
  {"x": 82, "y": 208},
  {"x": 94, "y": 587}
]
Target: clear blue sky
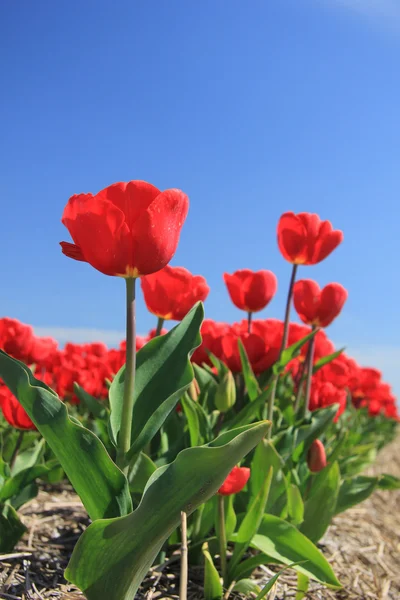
[{"x": 251, "y": 107}]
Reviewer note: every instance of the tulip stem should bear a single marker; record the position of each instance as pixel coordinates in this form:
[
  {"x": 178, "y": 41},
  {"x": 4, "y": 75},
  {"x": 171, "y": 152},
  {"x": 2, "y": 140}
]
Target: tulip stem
[
  {"x": 159, "y": 327},
  {"x": 222, "y": 535},
  {"x": 184, "y": 558},
  {"x": 249, "y": 315},
  {"x": 16, "y": 449},
  {"x": 310, "y": 362},
  {"x": 124, "y": 438},
  {"x": 271, "y": 399}
]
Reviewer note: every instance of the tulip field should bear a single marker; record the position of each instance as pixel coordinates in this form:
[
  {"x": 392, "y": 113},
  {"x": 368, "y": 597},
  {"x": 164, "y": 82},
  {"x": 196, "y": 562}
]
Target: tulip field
[{"x": 216, "y": 453}]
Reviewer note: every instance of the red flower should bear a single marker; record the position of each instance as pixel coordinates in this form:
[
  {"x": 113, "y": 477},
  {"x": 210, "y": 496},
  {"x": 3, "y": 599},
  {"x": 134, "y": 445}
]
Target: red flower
[
  {"x": 316, "y": 457},
  {"x": 324, "y": 394},
  {"x": 251, "y": 290},
  {"x": 42, "y": 349},
  {"x": 235, "y": 481},
  {"x": 315, "y": 306},
  {"x": 14, "y": 413},
  {"x": 172, "y": 292},
  {"x": 128, "y": 229},
  {"x": 16, "y": 338},
  {"x": 304, "y": 239},
  {"x": 211, "y": 335}
]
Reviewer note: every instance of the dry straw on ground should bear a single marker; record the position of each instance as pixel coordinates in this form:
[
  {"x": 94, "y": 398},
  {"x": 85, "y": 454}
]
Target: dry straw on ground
[{"x": 363, "y": 546}]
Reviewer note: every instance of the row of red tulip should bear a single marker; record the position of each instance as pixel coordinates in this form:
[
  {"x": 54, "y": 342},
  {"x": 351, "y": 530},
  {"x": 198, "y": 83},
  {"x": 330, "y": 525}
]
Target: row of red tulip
[{"x": 90, "y": 365}]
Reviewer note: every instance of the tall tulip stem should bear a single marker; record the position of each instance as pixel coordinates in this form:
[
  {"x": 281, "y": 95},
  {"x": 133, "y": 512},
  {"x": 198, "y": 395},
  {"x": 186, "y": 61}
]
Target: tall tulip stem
[
  {"x": 310, "y": 363},
  {"x": 249, "y": 315},
  {"x": 271, "y": 399},
  {"x": 159, "y": 327},
  {"x": 184, "y": 558},
  {"x": 124, "y": 440},
  {"x": 222, "y": 535}
]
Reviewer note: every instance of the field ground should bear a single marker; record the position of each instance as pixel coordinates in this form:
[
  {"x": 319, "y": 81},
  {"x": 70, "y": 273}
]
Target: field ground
[{"x": 363, "y": 546}]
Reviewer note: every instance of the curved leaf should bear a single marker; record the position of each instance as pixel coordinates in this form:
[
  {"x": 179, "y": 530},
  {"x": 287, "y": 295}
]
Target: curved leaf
[
  {"x": 163, "y": 373},
  {"x": 103, "y": 488},
  {"x": 112, "y": 557},
  {"x": 320, "y": 508},
  {"x": 283, "y": 543}
]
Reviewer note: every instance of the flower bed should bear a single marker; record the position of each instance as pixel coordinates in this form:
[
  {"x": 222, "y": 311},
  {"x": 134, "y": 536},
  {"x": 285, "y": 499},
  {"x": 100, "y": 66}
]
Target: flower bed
[{"x": 229, "y": 451}]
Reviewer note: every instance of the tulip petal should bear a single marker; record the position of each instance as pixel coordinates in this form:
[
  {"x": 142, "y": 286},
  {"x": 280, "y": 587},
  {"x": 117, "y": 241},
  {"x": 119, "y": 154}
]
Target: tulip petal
[{"x": 159, "y": 228}]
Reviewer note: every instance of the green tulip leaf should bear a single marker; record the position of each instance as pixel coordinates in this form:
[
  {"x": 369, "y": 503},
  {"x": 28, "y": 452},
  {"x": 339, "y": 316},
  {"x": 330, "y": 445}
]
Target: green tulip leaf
[
  {"x": 283, "y": 543},
  {"x": 212, "y": 582},
  {"x": 250, "y": 380},
  {"x": 113, "y": 556},
  {"x": 102, "y": 487},
  {"x": 355, "y": 490},
  {"x": 11, "y": 528},
  {"x": 163, "y": 373},
  {"x": 321, "y": 505}
]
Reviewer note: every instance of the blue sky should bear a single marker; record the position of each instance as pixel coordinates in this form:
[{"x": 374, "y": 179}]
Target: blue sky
[{"x": 252, "y": 108}]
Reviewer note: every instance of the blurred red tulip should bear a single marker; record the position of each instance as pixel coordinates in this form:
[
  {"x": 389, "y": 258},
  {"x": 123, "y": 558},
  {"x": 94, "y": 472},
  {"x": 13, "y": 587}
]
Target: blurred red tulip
[
  {"x": 235, "y": 481},
  {"x": 324, "y": 394},
  {"x": 128, "y": 229},
  {"x": 316, "y": 457},
  {"x": 13, "y": 411},
  {"x": 315, "y": 306},
  {"x": 16, "y": 338},
  {"x": 172, "y": 292},
  {"x": 251, "y": 290},
  {"x": 304, "y": 239}
]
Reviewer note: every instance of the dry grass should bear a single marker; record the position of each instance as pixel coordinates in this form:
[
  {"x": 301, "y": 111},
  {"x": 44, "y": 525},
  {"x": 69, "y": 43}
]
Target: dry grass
[{"x": 363, "y": 546}]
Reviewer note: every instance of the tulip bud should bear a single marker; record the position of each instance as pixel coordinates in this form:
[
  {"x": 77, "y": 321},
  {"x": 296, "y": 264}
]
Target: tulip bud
[
  {"x": 194, "y": 390},
  {"x": 316, "y": 457},
  {"x": 225, "y": 396},
  {"x": 235, "y": 481}
]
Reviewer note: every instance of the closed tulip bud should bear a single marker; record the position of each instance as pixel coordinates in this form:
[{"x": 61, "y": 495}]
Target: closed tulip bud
[
  {"x": 194, "y": 390},
  {"x": 235, "y": 481},
  {"x": 225, "y": 396},
  {"x": 316, "y": 457}
]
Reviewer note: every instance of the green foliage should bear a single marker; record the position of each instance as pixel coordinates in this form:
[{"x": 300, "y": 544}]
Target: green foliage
[{"x": 112, "y": 556}]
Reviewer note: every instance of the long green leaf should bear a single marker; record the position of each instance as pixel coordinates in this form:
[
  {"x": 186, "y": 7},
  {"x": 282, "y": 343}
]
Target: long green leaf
[
  {"x": 320, "y": 508},
  {"x": 250, "y": 524},
  {"x": 103, "y": 488},
  {"x": 163, "y": 373},
  {"x": 11, "y": 528},
  {"x": 283, "y": 543},
  {"x": 291, "y": 352},
  {"x": 355, "y": 490},
  {"x": 212, "y": 582},
  {"x": 250, "y": 380},
  {"x": 112, "y": 557},
  {"x": 267, "y": 588}
]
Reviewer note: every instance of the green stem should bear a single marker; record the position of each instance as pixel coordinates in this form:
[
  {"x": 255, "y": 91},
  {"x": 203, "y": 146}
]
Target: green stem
[
  {"x": 16, "y": 449},
  {"x": 271, "y": 399},
  {"x": 310, "y": 362},
  {"x": 184, "y": 559},
  {"x": 124, "y": 438},
  {"x": 159, "y": 327},
  {"x": 222, "y": 536},
  {"x": 249, "y": 316}
]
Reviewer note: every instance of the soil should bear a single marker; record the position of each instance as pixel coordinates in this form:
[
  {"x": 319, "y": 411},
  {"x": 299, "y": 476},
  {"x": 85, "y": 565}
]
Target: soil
[{"x": 362, "y": 544}]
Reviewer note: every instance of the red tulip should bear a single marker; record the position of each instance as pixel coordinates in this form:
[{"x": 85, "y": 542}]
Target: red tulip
[
  {"x": 304, "y": 239},
  {"x": 212, "y": 334},
  {"x": 16, "y": 338},
  {"x": 173, "y": 291},
  {"x": 315, "y": 306},
  {"x": 326, "y": 393},
  {"x": 251, "y": 290},
  {"x": 316, "y": 457},
  {"x": 235, "y": 481},
  {"x": 14, "y": 413},
  {"x": 42, "y": 349},
  {"x": 128, "y": 229}
]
